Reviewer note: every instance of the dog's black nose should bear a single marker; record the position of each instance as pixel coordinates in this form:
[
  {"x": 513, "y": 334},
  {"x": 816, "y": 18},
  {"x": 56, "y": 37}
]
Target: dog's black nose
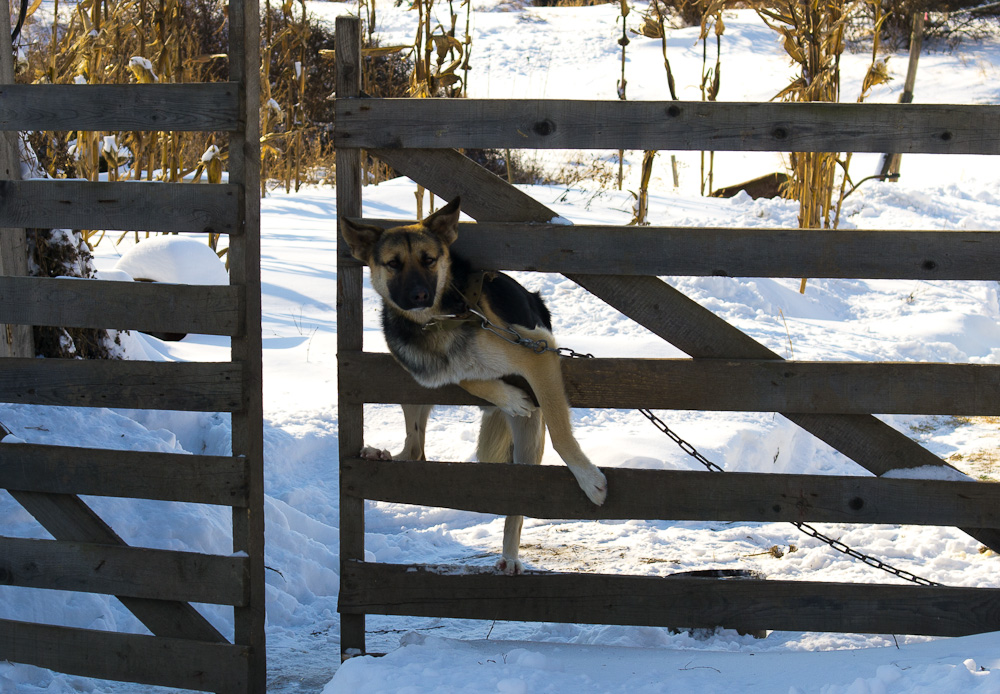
[{"x": 420, "y": 297}]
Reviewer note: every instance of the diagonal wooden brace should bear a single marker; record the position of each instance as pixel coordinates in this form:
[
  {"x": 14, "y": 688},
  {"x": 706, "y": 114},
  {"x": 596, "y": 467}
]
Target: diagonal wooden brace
[
  {"x": 663, "y": 310},
  {"x": 66, "y": 517}
]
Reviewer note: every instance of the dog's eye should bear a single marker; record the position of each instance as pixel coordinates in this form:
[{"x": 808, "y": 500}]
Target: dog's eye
[
  {"x": 428, "y": 261},
  {"x": 395, "y": 264}
]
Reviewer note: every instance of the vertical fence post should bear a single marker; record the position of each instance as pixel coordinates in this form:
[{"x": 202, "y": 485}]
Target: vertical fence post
[
  {"x": 349, "y": 336},
  {"x": 15, "y": 340},
  {"x": 244, "y": 268}
]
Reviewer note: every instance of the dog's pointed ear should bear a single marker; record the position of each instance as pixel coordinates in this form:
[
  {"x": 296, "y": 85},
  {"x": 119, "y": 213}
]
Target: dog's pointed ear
[
  {"x": 361, "y": 238},
  {"x": 444, "y": 222}
]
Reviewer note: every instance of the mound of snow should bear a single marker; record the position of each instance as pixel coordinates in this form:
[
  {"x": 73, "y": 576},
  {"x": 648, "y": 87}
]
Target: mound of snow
[{"x": 173, "y": 259}]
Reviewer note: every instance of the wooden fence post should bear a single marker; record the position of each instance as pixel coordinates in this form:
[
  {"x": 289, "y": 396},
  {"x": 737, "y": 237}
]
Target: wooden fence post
[
  {"x": 15, "y": 340},
  {"x": 244, "y": 268},
  {"x": 349, "y": 329}
]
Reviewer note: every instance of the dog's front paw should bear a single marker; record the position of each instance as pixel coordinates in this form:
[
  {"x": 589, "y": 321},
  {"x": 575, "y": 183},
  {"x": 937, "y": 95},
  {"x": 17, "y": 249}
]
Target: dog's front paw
[
  {"x": 511, "y": 567},
  {"x": 516, "y": 402},
  {"x": 372, "y": 453},
  {"x": 593, "y": 482}
]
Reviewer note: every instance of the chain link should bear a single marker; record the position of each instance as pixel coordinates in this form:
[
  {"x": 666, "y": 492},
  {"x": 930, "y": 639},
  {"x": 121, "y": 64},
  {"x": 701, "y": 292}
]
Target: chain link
[
  {"x": 540, "y": 346},
  {"x": 866, "y": 558},
  {"x": 684, "y": 445}
]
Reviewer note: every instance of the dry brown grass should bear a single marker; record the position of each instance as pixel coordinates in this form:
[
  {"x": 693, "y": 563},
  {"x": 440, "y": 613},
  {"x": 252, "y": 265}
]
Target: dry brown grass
[{"x": 982, "y": 463}]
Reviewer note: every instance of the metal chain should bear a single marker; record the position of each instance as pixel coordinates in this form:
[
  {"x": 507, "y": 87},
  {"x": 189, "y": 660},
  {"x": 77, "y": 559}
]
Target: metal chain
[
  {"x": 684, "y": 445},
  {"x": 539, "y": 346},
  {"x": 866, "y": 558},
  {"x": 507, "y": 333}
]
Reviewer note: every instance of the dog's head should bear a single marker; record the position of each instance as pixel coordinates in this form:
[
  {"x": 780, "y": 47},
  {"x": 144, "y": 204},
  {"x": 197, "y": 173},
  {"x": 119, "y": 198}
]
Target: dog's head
[{"x": 410, "y": 265}]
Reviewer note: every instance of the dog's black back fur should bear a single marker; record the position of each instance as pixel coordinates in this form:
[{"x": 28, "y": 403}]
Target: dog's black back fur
[{"x": 514, "y": 304}]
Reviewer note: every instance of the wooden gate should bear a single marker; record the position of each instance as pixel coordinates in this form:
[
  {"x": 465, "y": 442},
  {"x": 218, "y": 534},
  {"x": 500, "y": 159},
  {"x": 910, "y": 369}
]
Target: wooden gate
[
  {"x": 729, "y": 370},
  {"x": 87, "y": 555}
]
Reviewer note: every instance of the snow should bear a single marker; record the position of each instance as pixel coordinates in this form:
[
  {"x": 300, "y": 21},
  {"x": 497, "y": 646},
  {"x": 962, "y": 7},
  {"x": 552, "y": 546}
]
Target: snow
[
  {"x": 173, "y": 259},
  {"x": 572, "y": 52}
]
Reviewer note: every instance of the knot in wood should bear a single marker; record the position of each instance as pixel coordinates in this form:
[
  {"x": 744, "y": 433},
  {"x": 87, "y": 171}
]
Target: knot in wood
[{"x": 544, "y": 127}]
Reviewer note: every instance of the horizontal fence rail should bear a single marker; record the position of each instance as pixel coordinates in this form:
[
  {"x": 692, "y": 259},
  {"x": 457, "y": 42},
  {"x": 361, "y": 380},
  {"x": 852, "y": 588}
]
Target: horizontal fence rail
[
  {"x": 549, "y": 491},
  {"x": 123, "y": 206},
  {"x": 124, "y": 571},
  {"x": 154, "y": 660},
  {"x": 657, "y": 601},
  {"x": 79, "y": 303},
  {"x": 199, "y": 387},
  {"x": 140, "y": 107},
  {"x": 730, "y": 252},
  {"x": 667, "y": 125},
  {"x": 200, "y": 479},
  {"x": 741, "y": 385}
]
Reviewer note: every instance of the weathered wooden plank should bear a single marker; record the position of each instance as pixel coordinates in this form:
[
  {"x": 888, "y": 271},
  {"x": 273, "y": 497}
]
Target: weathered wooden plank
[
  {"x": 124, "y": 205},
  {"x": 549, "y": 491},
  {"x": 130, "y": 571},
  {"x": 679, "y": 602},
  {"x": 667, "y": 125},
  {"x": 349, "y": 319},
  {"x": 202, "y": 387},
  {"x": 126, "y": 657},
  {"x": 67, "y": 518},
  {"x": 722, "y": 385},
  {"x": 729, "y": 252},
  {"x": 200, "y": 479},
  {"x": 15, "y": 340},
  {"x": 74, "y": 303},
  {"x": 785, "y": 386},
  {"x": 143, "y": 107}
]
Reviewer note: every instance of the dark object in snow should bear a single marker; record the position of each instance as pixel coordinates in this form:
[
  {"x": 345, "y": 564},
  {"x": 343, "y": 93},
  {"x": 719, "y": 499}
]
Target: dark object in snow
[
  {"x": 166, "y": 337},
  {"x": 766, "y": 186},
  {"x": 725, "y": 574}
]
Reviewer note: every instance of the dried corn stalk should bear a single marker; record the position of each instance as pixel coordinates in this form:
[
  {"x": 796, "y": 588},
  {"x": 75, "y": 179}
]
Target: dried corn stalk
[{"x": 813, "y": 37}]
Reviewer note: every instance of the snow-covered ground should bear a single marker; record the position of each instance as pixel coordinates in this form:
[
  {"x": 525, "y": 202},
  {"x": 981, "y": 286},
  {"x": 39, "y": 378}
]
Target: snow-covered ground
[{"x": 572, "y": 52}]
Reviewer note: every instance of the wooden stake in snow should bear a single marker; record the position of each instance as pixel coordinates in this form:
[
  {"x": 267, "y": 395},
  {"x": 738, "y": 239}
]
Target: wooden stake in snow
[
  {"x": 890, "y": 161},
  {"x": 15, "y": 340}
]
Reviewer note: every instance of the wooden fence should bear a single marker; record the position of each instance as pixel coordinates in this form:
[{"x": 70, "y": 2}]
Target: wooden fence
[
  {"x": 184, "y": 650},
  {"x": 728, "y": 370}
]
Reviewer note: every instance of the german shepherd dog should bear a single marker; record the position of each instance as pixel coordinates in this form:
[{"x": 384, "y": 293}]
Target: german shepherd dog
[{"x": 432, "y": 317}]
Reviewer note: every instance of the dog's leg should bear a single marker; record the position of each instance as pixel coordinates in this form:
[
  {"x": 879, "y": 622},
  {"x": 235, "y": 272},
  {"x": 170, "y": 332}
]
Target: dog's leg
[
  {"x": 544, "y": 375},
  {"x": 494, "y": 444},
  {"x": 511, "y": 399},
  {"x": 521, "y": 440},
  {"x": 415, "y": 417}
]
